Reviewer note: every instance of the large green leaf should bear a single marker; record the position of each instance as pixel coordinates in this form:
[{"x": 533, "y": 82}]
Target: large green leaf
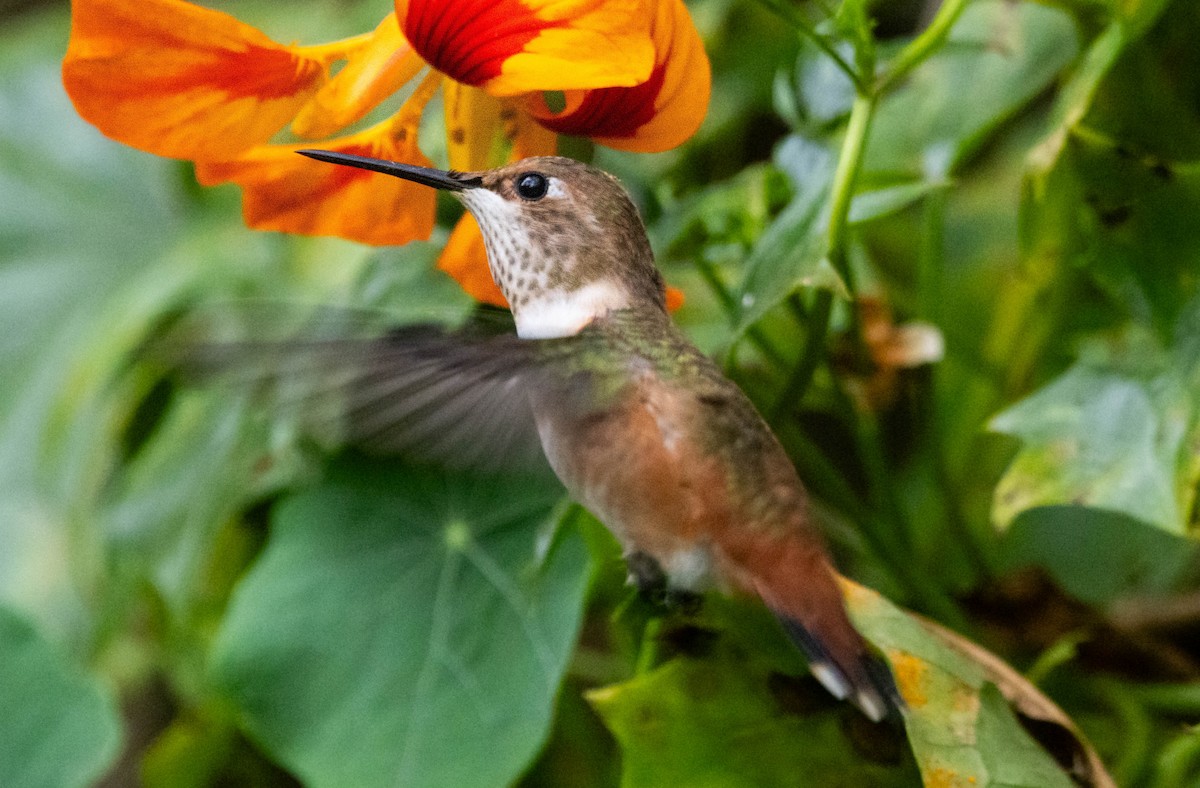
[
  {"x": 58, "y": 727},
  {"x": 1118, "y": 431},
  {"x": 791, "y": 251},
  {"x": 1108, "y": 468},
  {"x": 961, "y": 729},
  {"x": 405, "y": 627},
  {"x": 998, "y": 57}
]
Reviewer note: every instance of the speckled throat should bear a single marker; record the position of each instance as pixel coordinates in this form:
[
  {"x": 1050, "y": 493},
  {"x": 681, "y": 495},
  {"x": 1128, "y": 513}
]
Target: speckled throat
[{"x": 540, "y": 266}]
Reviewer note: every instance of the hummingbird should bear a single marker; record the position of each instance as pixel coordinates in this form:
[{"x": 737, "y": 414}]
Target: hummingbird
[{"x": 640, "y": 426}]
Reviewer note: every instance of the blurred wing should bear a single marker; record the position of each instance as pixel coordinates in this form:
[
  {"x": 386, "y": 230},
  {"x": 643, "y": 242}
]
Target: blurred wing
[{"x": 451, "y": 398}]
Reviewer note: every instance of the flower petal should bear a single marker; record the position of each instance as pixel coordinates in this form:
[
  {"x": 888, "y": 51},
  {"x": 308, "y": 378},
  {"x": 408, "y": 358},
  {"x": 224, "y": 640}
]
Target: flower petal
[
  {"x": 290, "y": 193},
  {"x": 508, "y": 47},
  {"x": 178, "y": 80},
  {"x": 372, "y": 72},
  {"x": 675, "y": 298},
  {"x": 473, "y": 126},
  {"x": 656, "y": 115},
  {"x": 465, "y": 259},
  {"x": 530, "y": 138}
]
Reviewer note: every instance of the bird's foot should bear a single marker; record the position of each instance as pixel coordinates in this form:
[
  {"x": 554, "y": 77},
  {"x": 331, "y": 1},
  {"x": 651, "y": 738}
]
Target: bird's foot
[{"x": 646, "y": 574}]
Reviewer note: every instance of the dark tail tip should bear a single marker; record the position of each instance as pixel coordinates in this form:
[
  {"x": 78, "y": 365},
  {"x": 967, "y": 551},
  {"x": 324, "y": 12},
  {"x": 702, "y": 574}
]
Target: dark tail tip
[{"x": 864, "y": 679}]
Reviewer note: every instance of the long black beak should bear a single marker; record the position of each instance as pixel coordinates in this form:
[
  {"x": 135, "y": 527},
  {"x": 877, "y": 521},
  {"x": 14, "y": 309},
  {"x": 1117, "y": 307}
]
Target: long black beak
[{"x": 438, "y": 179}]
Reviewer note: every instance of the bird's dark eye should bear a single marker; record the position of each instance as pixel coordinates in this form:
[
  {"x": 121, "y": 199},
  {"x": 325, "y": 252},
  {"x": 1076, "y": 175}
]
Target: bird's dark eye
[{"x": 532, "y": 185}]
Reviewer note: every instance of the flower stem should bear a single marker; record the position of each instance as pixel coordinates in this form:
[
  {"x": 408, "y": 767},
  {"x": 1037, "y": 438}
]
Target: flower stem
[
  {"x": 854, "y": 144},
  {"x": 923, "y": 45},
  {"x": 814, "y": 351},
  {"x": 842, "y": 193}
]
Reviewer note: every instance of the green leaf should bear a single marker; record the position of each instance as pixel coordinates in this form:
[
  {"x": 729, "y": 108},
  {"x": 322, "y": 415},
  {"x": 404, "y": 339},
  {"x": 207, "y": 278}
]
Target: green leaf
[
  {"x": 734, "y": 717},
  {"x": 58, "y": 727},
  {"x": 1113, "y": 186},
  {"x": 791, "y": 252},
  {"x": 1070, "y": 542},
  {"x": 728, "y": 722},
  {"x": 1116, "y": 432},
  {"x": 1010, "y": 757},
  {"x": 395, "y": 609},
  {"x": 999, "y": 56},
  {"x": 876, "y": 203},
  {"x": 961, "y": 730}
]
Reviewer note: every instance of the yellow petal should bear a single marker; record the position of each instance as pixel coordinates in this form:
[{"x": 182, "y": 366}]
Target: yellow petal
[
  {"x": 530, "y": 138},
  {"x": 178, "y": 80},
  {"x": 374, "y": 71},
  {"x": 509, "y": 47},
  {"x": 656, "y": 115},
  {"x": 473, "y": 126}
]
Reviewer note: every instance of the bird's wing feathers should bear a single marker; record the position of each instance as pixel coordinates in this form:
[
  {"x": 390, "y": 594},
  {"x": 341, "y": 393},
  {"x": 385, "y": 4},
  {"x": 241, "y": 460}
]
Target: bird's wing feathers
[{"x": 454, "y": 399}]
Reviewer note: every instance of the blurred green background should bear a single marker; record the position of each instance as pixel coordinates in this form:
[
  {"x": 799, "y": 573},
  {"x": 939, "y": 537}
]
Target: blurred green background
[{"x": 191, "y": 593}]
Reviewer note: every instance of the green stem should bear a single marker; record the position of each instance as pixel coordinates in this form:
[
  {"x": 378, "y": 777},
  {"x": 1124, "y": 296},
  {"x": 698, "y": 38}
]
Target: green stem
[
  {"x": 854, "y": 145},
  {"x": 649, "y": 654},
  {"x": 1136, "y": 728},
  {"x": 1178, "y": 762},
  {"x": 893, "y": 526},
  {"x": 709, "y": 273},
  {"x": 814, "y": 351},
  {"x": 922, "y": 46},
  {"x": 793, "y": 17},
  {"x": 1181, "y": 699},
  {"x": 878, "y": 540},
  {"x": 930, "y": 287},
  {"x": 931, "y": 262},
  {"x": 841, "y": 195}
]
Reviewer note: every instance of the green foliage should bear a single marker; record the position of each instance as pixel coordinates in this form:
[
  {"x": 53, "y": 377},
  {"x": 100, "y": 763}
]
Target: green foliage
[
  {"x": 792, "y": 251},
  {"x": 395, "y": 610},
  {"x": 996, "y": 59},
  {"x": 1117, "y": 431},
  {"x": 961, "y": 729},
  {"x": 60, "y": 727},
  {"x": 1022, "y": 178},
  {"x": 725, "y": 721}
]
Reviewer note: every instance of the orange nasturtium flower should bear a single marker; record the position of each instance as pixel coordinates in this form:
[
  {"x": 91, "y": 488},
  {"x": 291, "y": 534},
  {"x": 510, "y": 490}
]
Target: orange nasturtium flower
[{"x": 187, "y": 82}]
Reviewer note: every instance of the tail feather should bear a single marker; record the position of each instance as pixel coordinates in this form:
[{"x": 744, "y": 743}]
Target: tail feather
[
  {"x": 864, "y": 679},
  {"x": 789, "y": 570}
]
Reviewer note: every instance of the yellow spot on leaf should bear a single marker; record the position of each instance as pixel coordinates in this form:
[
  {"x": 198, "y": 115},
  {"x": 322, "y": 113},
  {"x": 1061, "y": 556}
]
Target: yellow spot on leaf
[
  {"x": 858, "y": 598},
  {"x": 948, "y": 778},
  {"x": 911, "y": 674}
]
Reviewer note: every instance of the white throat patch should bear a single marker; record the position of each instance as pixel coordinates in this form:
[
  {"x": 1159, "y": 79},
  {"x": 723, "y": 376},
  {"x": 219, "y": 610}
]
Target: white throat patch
[{"x": 561, "y": 313}]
